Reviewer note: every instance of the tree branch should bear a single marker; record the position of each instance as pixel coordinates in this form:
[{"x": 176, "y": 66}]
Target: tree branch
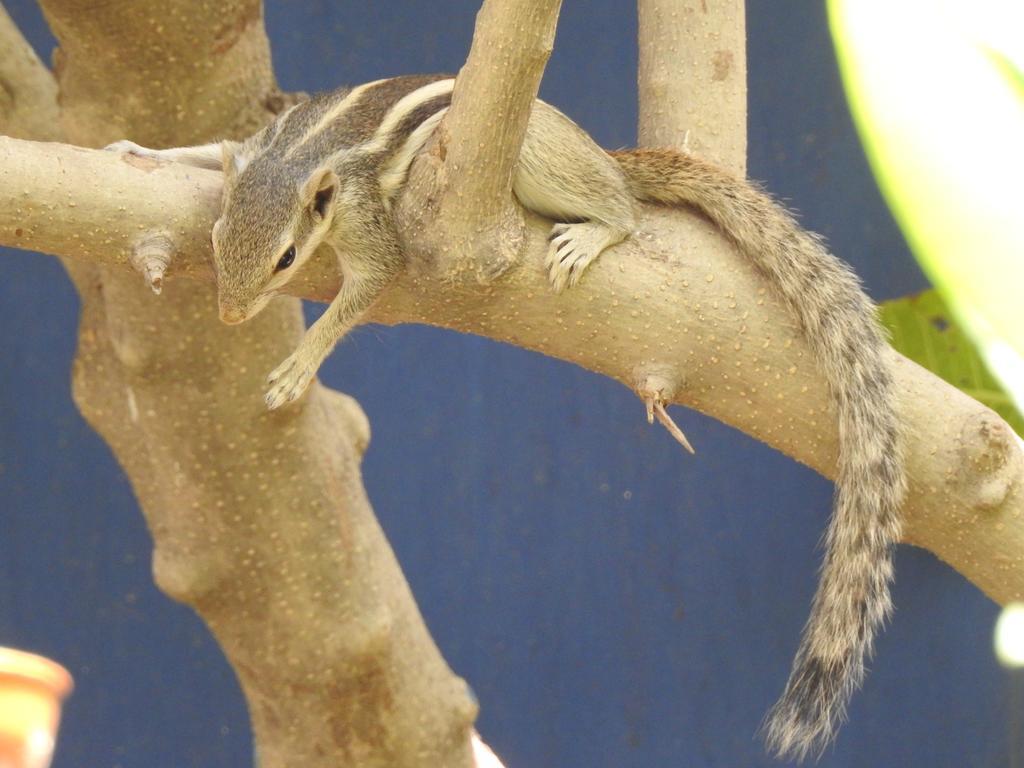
[
  {"x": 28, "y": 92},
  {"x": 693, "y": 78},
  {"x": 40, "y": 211},
  {"x": 673, "y": 296}
]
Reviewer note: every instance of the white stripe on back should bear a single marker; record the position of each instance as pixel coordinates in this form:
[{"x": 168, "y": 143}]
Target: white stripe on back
[
  {"x": 393, "y": 172},
  {"x": 403, "y": 108},
  {"x": 331, "y": 115}
]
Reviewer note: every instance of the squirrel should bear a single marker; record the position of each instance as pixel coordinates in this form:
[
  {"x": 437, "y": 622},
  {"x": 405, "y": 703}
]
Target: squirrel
[{"x": 325, "y": 172}]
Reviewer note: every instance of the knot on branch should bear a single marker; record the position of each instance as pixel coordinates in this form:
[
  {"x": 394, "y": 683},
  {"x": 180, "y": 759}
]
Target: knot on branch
[
  {"x": 991, "y": 454},
  {"x": 186, "y": 577},
  {"x": 353, "y": 421},
  {"x": 446, "y": 235},
  {"x": 151, "y": 255}
]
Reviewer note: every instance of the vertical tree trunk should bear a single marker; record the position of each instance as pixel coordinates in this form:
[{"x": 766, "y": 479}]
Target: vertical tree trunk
[{"x": 259, "y": 520}]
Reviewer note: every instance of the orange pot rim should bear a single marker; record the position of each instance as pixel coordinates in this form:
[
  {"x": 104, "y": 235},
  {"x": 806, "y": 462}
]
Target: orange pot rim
[{"x": 38, "y": 669}]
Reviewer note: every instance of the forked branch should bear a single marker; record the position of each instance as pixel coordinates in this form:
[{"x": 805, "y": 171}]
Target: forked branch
[{"x": 474, "y": 225}]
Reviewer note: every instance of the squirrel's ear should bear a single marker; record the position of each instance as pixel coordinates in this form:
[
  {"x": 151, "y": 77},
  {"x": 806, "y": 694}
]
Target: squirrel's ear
[
  {"x": 233, "y": 159},
  {"x": 318, "y": 191}
]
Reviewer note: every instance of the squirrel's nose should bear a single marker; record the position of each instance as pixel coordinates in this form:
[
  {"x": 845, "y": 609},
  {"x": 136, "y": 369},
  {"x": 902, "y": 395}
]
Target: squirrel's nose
[{"x": 231, "y": 314}]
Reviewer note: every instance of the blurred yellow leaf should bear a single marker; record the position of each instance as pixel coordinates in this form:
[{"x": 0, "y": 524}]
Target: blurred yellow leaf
[{"x": 937, "y": 92}]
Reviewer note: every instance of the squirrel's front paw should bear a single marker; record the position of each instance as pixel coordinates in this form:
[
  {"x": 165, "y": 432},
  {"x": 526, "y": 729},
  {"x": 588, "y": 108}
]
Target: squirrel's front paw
[{"x": 288, "y": 381}]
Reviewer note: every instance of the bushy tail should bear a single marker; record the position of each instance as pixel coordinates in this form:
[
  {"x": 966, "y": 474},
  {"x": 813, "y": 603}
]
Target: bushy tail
[{"x": 852, "y": 600}]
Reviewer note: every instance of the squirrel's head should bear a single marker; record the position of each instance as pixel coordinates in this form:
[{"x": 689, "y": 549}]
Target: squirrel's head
[{"x": 271, "y": 223}]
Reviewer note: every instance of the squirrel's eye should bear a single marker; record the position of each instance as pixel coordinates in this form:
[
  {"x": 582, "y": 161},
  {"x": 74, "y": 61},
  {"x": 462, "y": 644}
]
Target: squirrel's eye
[{"x": 286, "y": 260}]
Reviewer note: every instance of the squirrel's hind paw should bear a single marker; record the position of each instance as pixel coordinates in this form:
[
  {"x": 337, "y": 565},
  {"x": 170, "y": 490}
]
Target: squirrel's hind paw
[
  {"x": 574, "y": 247},
  {"x": 131, "y": 148}
]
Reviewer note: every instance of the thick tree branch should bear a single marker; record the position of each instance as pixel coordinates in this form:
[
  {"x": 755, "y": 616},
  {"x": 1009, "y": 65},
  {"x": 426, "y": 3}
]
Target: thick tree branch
[
  {"x": 492, "y": 101},
  {"x": 673, "y": 296}
]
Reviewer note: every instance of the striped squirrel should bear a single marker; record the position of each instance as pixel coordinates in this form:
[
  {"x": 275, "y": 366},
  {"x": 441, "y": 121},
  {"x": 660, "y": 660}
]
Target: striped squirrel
[{"x": 325, "y": 173}]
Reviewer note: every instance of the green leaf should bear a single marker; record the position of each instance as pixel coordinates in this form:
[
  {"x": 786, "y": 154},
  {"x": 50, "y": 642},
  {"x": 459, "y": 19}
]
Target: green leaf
[{"x": 923, "y": 329}]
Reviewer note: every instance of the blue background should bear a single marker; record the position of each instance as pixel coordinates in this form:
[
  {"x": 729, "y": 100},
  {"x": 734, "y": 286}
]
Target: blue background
[{"x": 613, "y": 601}]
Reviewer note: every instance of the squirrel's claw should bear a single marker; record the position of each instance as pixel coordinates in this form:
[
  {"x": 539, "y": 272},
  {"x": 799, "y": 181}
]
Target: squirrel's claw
[
  {"x": 288, "y": 381},
  {"x": 574, "y": 247}
]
